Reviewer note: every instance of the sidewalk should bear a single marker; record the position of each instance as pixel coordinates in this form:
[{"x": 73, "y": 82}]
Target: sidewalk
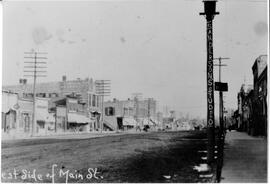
[{"x": 245, "y": 159}]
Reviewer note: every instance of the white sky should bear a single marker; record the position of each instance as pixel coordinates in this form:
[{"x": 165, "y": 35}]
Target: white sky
[{"x": 156, "y": 47}]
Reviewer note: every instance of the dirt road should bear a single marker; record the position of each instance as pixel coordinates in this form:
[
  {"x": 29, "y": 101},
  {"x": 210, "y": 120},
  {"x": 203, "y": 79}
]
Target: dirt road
[{"x": 145, "y": 157}]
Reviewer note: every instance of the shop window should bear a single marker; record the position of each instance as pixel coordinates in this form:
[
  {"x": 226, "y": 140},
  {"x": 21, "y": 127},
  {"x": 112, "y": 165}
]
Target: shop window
[
  {"x": 94, "y": 101},
  {"x": 109, "y": 111},
  {"x": 41, "y": 124}
]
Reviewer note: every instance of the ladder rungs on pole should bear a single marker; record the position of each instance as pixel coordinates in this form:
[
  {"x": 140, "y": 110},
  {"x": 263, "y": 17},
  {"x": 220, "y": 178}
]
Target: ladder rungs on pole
[
  {"x": 35, "y": 67},
  {"x": 38, "y": 62},
  {"x": 35, "y": 57}
]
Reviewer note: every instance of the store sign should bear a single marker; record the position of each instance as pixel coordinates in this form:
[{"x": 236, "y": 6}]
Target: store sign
[
  {"x": 210, "y": 77},
  {"x": 221, "y": 86}
]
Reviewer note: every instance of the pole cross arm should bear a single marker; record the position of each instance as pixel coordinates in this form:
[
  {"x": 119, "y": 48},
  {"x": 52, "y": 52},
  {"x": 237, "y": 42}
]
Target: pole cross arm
[
  {"x": 220, "y": 65},
  {"x": 221, "y": 58}
]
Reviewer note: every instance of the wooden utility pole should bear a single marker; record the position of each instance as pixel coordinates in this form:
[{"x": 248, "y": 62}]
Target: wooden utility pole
[
  {"x": 220, "y": 87},
  {"x": 103, "y": 88},
  {"x": 34, "y": 69},
  {"x": 221, "y": 123},
  {"x": 136, "y": 97},
  {"x": 148, "y": 109}
]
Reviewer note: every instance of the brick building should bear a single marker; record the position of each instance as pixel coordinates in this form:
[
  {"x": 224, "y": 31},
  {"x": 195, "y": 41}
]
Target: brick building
[
  {"x": 131, "y": 113},
  {"x": 84, "y": 90},
  {"x": 251, "y": 115},
  {"x": 259, "y": 69},
  {"x": 72, "y": 116}
]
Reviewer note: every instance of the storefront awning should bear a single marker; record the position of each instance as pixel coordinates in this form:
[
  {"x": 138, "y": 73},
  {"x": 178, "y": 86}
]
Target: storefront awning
[
  {"x": 95, "y": 112},
  {"x": 77, "y": 118},
  {"x": 148, "y": 122},
  {"x": 129, "y": 121}
]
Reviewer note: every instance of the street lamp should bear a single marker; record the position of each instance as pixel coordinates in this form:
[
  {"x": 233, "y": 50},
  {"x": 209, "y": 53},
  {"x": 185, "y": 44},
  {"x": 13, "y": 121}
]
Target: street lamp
[
  {"x": 209, "y": 9},
  {"x": 209, "y": 13}
]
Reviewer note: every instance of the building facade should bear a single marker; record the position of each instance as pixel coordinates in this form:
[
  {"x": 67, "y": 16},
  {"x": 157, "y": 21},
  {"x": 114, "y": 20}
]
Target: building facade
[
  {"x": 17, "y": 115},
  {"x": 73, "y": 116},
  {"x": 259, "y": 69},
  {"x": 51, "y": 115},
  {"x": 85, "y": 90},
  {"x": 244, "y": 107},
  {"x": 251, "y": 115},
  {"x": 130, "y": 114}
]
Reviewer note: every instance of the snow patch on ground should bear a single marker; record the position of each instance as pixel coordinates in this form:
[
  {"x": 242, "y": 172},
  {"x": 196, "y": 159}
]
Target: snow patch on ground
[
  {"x": 167, "y": 177},
  {"x": 202, "y": 151},
  {"x": 206, "y": 175},
  {"x": 201, "y": 168}
]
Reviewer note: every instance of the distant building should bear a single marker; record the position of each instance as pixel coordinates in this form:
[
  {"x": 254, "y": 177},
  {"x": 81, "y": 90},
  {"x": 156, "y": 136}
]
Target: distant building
[
  {"x": 168, "y": 122},
  {"x": 229, "y": 119},
  {"x": 84, "y": 89},
  {"x": 72, "y": 116},
  {"x": 183, "y": 126},
  {"x": 17, "y": 107},
  {"x": 244, "y": 107},
  {"x": 131, "y": 113},
  {"x": 251, "y": 115}
]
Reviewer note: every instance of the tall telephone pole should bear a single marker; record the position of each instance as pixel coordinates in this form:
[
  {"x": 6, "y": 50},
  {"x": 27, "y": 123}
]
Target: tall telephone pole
[
  {"x": 221, "y": 123},
  {"x": 219, "y": 86},
  {"x": 103, "y": 88},
  {"x": 34, "y": 69},
  {"x": 209, "y": 13},
  {"x": 136, "y": 98}
]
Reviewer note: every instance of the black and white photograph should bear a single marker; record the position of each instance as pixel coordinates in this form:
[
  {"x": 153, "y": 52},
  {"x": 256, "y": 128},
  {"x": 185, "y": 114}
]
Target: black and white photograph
[{"x": 134, "y": 91}]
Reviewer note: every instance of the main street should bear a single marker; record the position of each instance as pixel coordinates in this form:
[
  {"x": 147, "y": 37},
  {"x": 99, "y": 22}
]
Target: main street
[{"x": 140, "y": 157}]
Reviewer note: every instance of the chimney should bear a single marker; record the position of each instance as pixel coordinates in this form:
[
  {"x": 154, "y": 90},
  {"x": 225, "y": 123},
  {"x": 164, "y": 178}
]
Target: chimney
[{"x": 64, "y": 78}]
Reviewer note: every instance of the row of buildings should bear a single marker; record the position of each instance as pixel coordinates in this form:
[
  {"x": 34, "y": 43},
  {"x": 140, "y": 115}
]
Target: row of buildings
[
  {"x": 64, "y": 106},
  {"x": 72, "y": 106},
  {"x": 251, "y": 115}
]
